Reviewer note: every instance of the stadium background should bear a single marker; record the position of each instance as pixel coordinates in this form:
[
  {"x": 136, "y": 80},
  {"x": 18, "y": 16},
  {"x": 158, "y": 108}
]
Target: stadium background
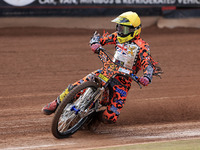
[
  {"x": 166, "y": 8},
  {"x": 44, "y": 47}
]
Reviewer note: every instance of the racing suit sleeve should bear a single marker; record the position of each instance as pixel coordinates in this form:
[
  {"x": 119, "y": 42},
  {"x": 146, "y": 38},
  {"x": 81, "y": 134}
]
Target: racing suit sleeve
[
  {"x": 108, "y": 39},
  {"x": 145, "y": 58}
]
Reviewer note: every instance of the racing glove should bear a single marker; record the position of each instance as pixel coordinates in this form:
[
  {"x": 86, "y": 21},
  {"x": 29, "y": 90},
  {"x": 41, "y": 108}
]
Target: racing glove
[
  {"x": 144, "y": 81},
  {"x": 94, "y": 47}
]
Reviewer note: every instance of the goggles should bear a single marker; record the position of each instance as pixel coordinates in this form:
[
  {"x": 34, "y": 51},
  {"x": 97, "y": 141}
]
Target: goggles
[{"x": 125, "y": 30}]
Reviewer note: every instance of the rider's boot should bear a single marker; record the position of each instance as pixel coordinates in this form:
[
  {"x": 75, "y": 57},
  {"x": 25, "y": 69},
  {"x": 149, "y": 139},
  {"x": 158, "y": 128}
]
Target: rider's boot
[{"x": 52, "y": 106}]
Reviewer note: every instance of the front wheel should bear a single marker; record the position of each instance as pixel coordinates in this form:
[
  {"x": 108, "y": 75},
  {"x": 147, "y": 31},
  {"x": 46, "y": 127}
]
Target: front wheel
[{"x": 69, "y": 116}]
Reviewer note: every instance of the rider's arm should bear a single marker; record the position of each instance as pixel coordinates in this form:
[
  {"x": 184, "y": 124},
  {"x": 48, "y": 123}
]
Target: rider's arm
[
  {"x": 108, "y": 39},
  {"x": 147, "y": 66}
]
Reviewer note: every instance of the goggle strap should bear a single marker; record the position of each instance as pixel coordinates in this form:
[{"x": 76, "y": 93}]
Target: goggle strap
[{"x": 136, "y": 28}]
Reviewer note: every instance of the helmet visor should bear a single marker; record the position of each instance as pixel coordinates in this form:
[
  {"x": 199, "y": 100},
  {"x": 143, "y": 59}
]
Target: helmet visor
[
  {"x": 124, "y": 30},
  {"x": 122, "y": 21}
]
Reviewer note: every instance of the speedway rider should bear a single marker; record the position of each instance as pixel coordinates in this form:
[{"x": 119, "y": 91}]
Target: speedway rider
[{"x": 131, "y": 52}]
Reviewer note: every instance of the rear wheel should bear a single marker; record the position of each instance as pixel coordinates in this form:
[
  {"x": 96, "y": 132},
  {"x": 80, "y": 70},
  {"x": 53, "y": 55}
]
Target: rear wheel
[{"x": 71, "y": 113}]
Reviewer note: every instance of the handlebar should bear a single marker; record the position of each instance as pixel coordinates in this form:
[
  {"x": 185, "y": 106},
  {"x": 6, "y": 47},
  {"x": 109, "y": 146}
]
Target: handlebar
[{"x": 136, "y": 79}]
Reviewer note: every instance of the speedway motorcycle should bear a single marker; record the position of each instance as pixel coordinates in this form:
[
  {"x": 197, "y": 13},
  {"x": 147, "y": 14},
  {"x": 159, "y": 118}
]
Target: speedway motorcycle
[{"x": 84, "y": 100}]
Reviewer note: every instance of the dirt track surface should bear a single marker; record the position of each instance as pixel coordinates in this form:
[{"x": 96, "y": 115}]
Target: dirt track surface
[{"x": 37, "y": 64}]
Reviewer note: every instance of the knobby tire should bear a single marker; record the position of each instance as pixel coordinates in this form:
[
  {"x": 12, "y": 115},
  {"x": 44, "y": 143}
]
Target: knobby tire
[{"x": 69, "y": 99}]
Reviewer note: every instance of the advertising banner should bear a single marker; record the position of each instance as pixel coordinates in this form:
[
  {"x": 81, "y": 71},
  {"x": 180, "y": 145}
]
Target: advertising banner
[
  {"x": 95, "y": 3},
  {"x": 97, "y": 7}
]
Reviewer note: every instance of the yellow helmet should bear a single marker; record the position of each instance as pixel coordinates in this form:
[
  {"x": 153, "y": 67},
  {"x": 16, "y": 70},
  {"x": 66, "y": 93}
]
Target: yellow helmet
[{"x": 128, "y": 26}]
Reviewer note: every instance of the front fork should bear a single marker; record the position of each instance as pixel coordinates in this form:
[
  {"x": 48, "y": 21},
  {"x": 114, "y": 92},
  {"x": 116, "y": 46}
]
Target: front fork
[{"x": 91, "y": 106}]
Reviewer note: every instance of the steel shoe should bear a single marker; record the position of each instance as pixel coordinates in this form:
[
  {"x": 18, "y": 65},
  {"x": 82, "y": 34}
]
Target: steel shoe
[{"x": 50, "y": 108}]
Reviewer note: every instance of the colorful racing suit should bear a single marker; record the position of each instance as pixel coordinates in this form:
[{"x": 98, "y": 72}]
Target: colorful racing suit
[{"x": 134, "y": 54}]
